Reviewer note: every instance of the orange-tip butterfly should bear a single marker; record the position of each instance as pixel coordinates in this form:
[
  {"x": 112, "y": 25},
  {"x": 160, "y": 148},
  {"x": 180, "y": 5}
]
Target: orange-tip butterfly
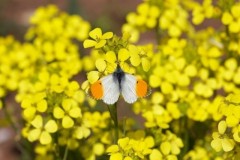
[{"x": 109, "y": 87}]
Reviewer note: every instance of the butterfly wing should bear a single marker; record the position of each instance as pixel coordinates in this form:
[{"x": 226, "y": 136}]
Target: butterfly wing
[
  {"x": 111, "y": 89},
  {"x": 128, "y": 88},
  {"x": 132, "y": 89}
]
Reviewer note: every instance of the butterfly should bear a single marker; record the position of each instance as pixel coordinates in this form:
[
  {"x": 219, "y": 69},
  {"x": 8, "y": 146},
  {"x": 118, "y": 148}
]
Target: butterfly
[{"x": 110, "y": 87}]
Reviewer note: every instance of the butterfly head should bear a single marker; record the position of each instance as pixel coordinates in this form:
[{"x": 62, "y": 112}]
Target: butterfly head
[{"x": 118, "y": 74}]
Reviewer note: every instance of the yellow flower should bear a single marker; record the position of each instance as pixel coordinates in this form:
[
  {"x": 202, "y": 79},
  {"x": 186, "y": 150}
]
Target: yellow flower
[
  {"x": 99, "y": 39},
  {"x": 225, "y": 144},
  {"x": 69, "y": 111},
  {"x": 40, "y": 132},
  {"x": 203, "y": 11}
]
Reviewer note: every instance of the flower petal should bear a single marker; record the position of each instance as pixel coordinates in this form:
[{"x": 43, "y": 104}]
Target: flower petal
[
  {"x": 110, "y": 57},
  {"x": 145, "y": 64},
  {"x": 67, "y": 122},
  {"x": 96, "y": 33},
  {"x": 123, "y": 54},
  {"x": 34, "y": 134},
  {"x": 51, "y": 126},
  {"x": 227, "y": 144},
  {"x": 100, "y": 44},
  {"x": 89, "y": 43},
  {"x": 93, "y": 76},
  {"x": 58, "y": 112},
  {"x": 75, "y": 112},
  {"x": 45, "y": 138},
  {"x": 37, "y": 122},
  {"x": 100, "y": 65},
  {"x": 107, "y": 35}
]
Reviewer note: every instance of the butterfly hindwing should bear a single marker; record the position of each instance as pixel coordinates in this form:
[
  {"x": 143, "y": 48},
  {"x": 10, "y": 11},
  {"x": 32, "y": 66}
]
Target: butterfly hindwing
[
  {"x": 128, "y": 88},
  {"x": 111, "y": 89}
]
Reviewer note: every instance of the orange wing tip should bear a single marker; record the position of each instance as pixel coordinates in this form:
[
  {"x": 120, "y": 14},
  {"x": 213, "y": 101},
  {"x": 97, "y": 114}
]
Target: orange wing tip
[
  {"x": 96, "y": 90},
  {"x": 142, "y": 89}
]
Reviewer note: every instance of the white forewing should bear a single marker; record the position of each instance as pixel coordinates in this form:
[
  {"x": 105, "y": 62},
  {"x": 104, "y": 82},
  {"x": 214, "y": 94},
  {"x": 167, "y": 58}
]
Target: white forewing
[
  {"x": 128, "y": 88},
  {"x": 111, "y": 90}
]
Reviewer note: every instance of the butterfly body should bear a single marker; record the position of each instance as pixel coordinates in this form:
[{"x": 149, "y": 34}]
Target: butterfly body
[{"x": 111, "y": 86}]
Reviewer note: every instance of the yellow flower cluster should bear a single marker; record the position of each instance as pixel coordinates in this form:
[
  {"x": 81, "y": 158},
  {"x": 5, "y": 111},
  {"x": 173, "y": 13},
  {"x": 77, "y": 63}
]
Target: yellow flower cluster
[
  {"x": 112, "y": 51},
  {"x": 201, "y": 153},
  {"x": 14, "y": 64},
  {"x": 146, "y": 16},
  {"x": 189, "y": 70},
  {"x": 48, "y": 24},
  {"x": 202, "y": 11},
  {"x": 40, "y": 70},
  {"x": 136, "y": 146},
  {"x": 169, "y": 148},
  {"x": 191, "y": 75},
  {"x": 96, "y": 145},
  {"x": 227, "y": 137},
  {"x": 159, "y": 15},
  {"x": 230, "y": 18}
]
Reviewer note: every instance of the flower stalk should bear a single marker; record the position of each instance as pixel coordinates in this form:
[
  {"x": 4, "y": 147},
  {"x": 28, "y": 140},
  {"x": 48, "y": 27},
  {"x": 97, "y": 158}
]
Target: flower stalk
[{"x": 113, "y": 113}]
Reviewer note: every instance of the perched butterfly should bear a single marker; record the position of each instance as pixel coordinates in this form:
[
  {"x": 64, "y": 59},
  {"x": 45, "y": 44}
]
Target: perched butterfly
[{"x": 111, "y": 86}]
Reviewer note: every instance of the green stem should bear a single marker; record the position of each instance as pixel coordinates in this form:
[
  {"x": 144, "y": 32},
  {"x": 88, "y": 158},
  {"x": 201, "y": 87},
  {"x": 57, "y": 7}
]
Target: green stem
[
  {"x": 185, "y": 137},
  {"x": 65, "y": 153},
  {"x": 113, "y": 113}
]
